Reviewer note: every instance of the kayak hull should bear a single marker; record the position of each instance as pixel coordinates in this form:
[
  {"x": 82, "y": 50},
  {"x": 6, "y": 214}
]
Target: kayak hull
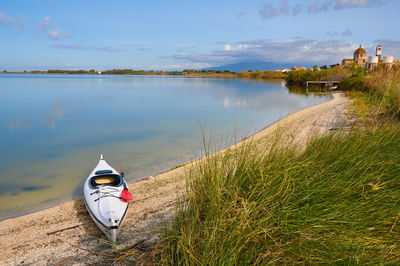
[{"x": 103, "y": 200}]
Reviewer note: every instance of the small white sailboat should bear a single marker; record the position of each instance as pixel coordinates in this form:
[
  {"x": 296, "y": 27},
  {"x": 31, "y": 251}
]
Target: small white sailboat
[{"x": 107, "y": 198}]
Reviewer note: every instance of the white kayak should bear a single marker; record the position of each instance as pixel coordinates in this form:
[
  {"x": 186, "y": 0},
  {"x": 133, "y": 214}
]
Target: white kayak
[{"x": 106, "y": 199}]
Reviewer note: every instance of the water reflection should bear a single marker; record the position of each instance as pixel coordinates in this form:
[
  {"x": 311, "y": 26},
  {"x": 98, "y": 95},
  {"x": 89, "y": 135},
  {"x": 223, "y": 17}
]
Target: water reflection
[
  {"x": 18, "y": 123},
  {"x": 50, "y": 119},
  {"x": 312, "y": 90}
]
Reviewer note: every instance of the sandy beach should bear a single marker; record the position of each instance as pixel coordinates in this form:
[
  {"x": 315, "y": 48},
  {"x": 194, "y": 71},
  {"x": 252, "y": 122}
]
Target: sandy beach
[{"x": 65, "y": 234}]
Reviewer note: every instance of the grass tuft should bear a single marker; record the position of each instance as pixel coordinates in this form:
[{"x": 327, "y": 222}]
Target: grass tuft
[{"x": 336, "y": 202}]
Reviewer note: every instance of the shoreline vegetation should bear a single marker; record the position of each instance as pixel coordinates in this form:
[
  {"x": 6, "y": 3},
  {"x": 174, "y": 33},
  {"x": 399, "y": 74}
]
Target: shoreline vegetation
[{"x": 291, "y": 194}]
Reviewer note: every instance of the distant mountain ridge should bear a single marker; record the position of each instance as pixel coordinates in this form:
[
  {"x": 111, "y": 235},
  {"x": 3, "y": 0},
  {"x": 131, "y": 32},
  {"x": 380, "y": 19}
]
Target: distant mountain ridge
[{"x": 245, "y": 66}]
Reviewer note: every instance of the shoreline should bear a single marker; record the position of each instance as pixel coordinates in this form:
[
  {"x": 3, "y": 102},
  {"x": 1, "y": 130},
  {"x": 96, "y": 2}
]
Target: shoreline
[
  {"x": 47, "y": 235},
  {"x": 143, "y": 178}
]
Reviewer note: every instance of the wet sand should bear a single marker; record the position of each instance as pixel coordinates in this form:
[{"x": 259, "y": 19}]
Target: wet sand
[{"x": 65, "y": 234}]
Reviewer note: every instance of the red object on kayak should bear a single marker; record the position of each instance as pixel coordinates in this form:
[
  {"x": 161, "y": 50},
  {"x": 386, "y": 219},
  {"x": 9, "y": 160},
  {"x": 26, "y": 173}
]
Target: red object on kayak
[
  {"x": 120, "y": 169},
  {"x": 126, "y": 195}
]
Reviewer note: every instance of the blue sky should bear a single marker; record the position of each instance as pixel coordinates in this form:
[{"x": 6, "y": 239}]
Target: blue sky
[{"x": 166, "y": 35}]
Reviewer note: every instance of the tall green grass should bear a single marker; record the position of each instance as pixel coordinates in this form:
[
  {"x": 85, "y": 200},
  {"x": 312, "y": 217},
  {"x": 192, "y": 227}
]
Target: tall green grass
[
  {"x": 376, "y": 94},
  {"x": 330, "y": 74},
  {"x": 261, "y": 75},
  {"x": 384, "y": 84},
  {"x": 336, "y": 202}
]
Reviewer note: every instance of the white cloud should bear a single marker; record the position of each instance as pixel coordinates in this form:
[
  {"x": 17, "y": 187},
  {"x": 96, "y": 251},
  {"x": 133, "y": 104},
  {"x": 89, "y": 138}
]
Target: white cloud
[
  {"x": 55, "y": 35},
  {"x": 347, "y": 33},
  {"x": 69, "y": 46},
  {"x": 317, "y": 6},
  {"x": 269, "y": 11},
  {"x": 44, "y": 24},
  {"x": 283, "y": 51},
  {"x": 340, "y": 4},
  {"x": 143, "y": 49},
  {"x": 130, "y": 42},
  {"x": 166, "y": 67},
  {"x": 10, "y": 21},
  {"x": 88, "y": 48},
  {"x": 297, "y": 10},
  {"x": 228, "y": 47},
  {"x": 104, "y": 49}
]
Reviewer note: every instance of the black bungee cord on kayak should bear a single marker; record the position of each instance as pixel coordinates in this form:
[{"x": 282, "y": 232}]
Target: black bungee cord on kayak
[{"x": 106, "y": 193}]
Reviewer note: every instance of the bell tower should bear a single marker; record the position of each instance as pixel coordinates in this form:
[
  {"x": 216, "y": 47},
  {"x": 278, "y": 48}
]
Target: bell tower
[{"x": 379, "y": 51}]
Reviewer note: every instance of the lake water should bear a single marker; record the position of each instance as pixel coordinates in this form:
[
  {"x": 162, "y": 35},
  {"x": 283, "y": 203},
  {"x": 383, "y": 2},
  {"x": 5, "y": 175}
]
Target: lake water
[{"x": 54, "y": 127}]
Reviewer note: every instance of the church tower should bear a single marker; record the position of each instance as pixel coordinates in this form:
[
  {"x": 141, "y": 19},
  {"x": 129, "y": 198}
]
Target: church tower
[
  {"x": 360, "y": 57},
  {"x": 379, "y": 51}
]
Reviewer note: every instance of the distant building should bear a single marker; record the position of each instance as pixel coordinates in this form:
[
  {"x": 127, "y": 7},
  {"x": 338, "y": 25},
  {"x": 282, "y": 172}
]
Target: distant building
[
  {"x": 378, "y": 59},
  {"x": 373, "y": 62},
  {"x": 347, "y": 62},
  {"x": 283, "y": 70},
  {"x": 98, "y": 72},
  {"x": 388, "y": 61},
  {"x": 360, "y": 59},
  {"x": 379, "y": 51},
  {"x": 299, "y": 68}
]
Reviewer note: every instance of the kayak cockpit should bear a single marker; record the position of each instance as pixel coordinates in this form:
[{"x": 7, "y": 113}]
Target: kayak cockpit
[{"x": 113, "y": 180}]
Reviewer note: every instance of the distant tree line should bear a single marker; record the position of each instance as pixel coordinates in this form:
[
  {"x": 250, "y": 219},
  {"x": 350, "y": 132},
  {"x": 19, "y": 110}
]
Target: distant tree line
[
  {"x": 131, "y": 72},
  {"x": 61, "y": 71},
  {"x": 118, "y": 71}
]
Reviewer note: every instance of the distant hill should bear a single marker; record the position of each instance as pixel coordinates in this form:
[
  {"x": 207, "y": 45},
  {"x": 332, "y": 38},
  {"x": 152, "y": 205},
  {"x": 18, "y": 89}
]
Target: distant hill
[{"x": 245, "y": 66}]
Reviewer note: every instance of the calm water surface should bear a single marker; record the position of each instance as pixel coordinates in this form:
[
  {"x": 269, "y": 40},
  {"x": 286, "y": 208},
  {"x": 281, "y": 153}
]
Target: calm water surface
[{"x": 53, "y": 127}]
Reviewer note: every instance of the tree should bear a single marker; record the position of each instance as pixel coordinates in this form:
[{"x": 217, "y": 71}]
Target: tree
[{"x": 323, "y": 67}]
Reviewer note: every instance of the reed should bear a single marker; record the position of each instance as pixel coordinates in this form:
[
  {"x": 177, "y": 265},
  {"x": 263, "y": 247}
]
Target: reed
[
  {"x": 376, "y": 95},
  {"x": 384, "y": 84},
  {"x": 261, "y": 75},
  {"x": 330, "y": 74},
  {"x": 336, "y": 202}
]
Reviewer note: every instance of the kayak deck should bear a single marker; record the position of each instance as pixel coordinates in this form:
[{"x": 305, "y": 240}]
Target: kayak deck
[{"x": 102, "y": 191}]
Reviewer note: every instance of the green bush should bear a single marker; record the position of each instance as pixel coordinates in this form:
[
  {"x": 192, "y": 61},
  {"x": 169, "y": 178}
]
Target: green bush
[{"x": 353, "y": 83}]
